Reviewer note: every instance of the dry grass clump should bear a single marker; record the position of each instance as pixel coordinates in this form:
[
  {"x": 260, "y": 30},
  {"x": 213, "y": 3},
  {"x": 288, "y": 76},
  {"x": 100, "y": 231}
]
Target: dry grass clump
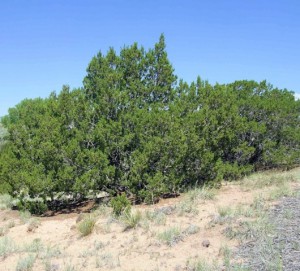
[
  {"x": 203, "y": 193},
  {"x": 131, "y": 219},
  {"x": 156, "y": 216},
  {"x": 187, "y": 206},
  {"x": 35, "y": 246},
  {"x": 48, "y": 252},
  {"x": 7, "y": 246},
  {"x": 93, "y": 251},
  {"x": 70, "y": 267},
  {"x": 26, "y": 264},
  {"x": 250, "y": 230},
  {"x": 283, "y": 190},
  {"x": 33, "y": 224},
  {"x": 103, "y": 211},
  {"x": 245, "y": 211},
  {"x": 171, "y": 236},
  {"x": 193, "y": 197},
  {"x": 201, "y": 265},
  {"x": 11, "y": 224},
  {"x": 107, "y": 260},
  {"x": 191, "y": 229},
  {"x": 225, "y": 211},
  {"x": 3, "y": 231},
  {"x": 269, "y": 178},
  {"x": 87, "y": 224},
  {"x": 225, "y": 215},
  {"x": 6, "y": 202},
  {"x": 25, "y": 216}
]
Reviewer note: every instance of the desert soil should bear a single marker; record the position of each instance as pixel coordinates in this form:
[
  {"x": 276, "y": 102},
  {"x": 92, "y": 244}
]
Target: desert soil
[{"x": 57, "y": 244}]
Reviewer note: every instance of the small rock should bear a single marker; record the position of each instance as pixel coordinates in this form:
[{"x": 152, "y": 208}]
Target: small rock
[{"x": 205, "y": 243}]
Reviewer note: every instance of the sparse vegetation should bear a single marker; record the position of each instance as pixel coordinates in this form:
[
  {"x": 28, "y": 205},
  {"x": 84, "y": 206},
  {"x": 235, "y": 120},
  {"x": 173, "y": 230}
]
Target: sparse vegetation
[
  {"x": 35, "y": 246},
  {"x": 267, "y": 179},
  {"x": 6, "y": 201},
  {"x": 225, "y": 211},
  {"x": 50, "y": 266},
  {"x": 86, "y": 226},
  {"x": 107, "y": 260},
  {"x": 7, "y": 246},
  {"x": 49, "y": 252},
  {"x": 11, "y": 224},
  {"x": 187, "y": 206},
  {"x": 131, "y": 219},
  {"x": 191, "y": 229},
  {"x": 25, "y": 216},
  {"x": 248, "y": 223},
  {"x": 201, "y": 265},
  {"x": 246, "y": 211},
  {"x": 280, "y": 191},
  {"x": 203, "y": 193},
  {"x": 225, "y": 215},
  {"x": 171, "y": 236},
  {"x": 70, "y": 267},
  {"x": 26, "y": 264},
  {"x": 272, "y": 236},
  {"x": 102, "y": 211},
  {"x": 193, "y": 198},
  {"x": 3, "y": 231},
  {"x": 226, "y": 253},
  {"x": 33, "y": 224},
  {"x": 156, "y": 216}
]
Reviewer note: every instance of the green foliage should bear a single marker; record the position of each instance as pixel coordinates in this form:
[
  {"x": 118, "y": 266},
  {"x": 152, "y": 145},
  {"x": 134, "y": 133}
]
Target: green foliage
[
  {"x": 3, "y": 134},
  {"x": 134, "y": 128},
  {"x": 120, "y": 204},
  {"x": 36, "y": 207}
]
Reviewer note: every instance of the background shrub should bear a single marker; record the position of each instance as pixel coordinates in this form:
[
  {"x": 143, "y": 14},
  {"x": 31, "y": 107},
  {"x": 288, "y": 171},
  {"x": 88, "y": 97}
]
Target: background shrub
[
  {"x": 120, "y": 204},
  {"x": 134, "y": 127},
  {"x": 36, "y": 207}
]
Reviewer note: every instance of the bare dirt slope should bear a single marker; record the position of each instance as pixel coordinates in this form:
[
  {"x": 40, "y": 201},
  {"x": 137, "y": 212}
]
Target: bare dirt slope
[{"x": 183, "y": 233}]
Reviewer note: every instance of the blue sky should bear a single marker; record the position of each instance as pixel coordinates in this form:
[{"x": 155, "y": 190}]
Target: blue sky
[{"x": 45, "y": 44}]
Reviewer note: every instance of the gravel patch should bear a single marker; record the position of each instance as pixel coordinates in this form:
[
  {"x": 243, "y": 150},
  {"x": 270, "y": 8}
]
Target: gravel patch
[{"x": 279, "y": 250}]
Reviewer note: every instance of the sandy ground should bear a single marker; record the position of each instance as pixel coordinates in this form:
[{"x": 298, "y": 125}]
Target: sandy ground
[{"x": 61, "y": 247}]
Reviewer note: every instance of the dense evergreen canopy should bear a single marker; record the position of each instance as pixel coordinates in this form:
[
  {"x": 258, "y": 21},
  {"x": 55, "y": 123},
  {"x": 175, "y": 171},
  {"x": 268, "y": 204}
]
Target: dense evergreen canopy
[{"x": 134, "y": 127}]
